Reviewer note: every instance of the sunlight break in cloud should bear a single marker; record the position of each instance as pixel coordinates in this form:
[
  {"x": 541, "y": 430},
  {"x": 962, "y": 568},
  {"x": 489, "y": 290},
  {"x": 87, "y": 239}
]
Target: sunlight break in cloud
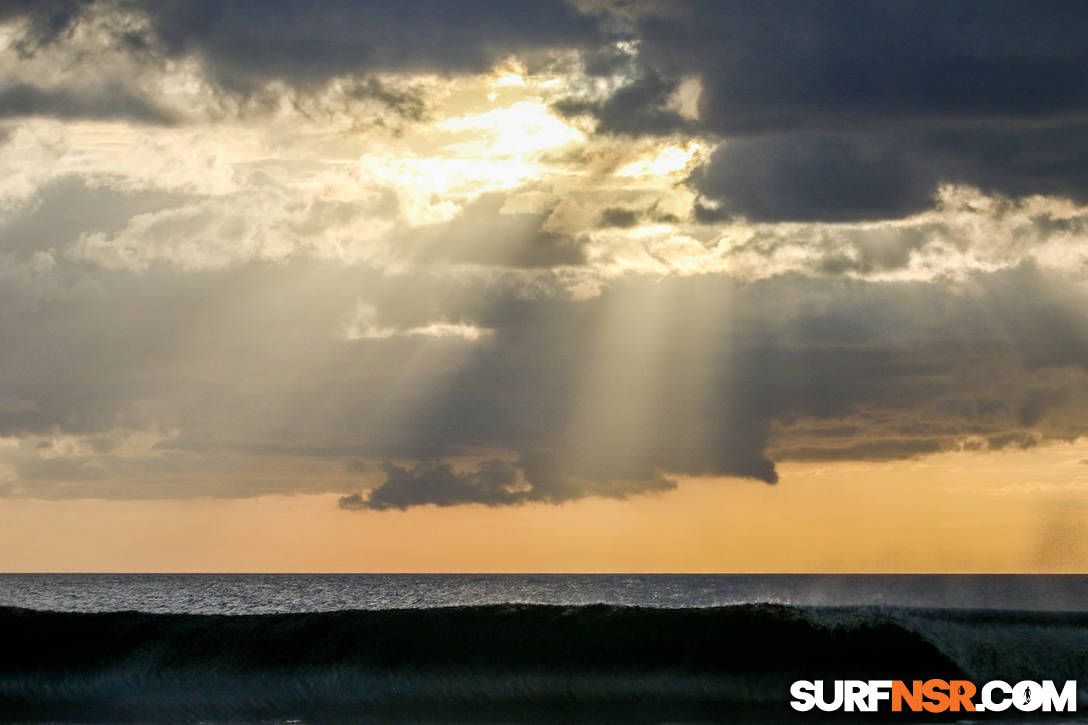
[{"x": 587, "y": 250}]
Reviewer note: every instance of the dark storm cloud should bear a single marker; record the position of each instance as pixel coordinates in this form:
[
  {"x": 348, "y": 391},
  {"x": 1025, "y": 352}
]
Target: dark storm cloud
[
  {"x": 439, "y": 484},
  {"x": 303, "y": 43},
  {"x": 243, "y": 47},
  {"x": 638, "y": 107},
  {"x": 46, "y": 20},
  {"x": 110, "y": 103},
  {"x": 463, "y": 371},
  {"x": 813, "y": 178},
  {"x": 834, "y": 111},
  {"x": 775, "y": 66},
  {"x": 245, "y": 44},
  {"x": 879, "y": 175},
  {"x": 494, "y": 482},
  {"x": 608, "y": 396},
  {"x": 893, "y": 374}
]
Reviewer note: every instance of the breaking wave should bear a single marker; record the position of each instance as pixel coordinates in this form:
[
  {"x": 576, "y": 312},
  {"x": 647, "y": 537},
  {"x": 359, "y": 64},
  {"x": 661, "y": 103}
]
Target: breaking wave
[{"x": 502, "y": 663}]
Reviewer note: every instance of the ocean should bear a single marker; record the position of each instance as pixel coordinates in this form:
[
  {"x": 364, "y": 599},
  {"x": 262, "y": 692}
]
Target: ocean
[{"x": 441, "y": 648}]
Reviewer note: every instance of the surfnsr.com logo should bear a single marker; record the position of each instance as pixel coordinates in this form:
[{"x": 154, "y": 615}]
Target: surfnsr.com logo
[{"x": 933, "y": 696}]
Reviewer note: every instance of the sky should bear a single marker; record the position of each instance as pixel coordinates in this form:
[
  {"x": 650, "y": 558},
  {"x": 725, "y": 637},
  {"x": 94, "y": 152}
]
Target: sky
[{"x": 570, "y": 285}]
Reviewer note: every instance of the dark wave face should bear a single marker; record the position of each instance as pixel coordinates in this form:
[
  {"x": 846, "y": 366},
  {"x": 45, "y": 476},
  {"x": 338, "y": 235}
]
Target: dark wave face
[{"x": 503, "y": 663}]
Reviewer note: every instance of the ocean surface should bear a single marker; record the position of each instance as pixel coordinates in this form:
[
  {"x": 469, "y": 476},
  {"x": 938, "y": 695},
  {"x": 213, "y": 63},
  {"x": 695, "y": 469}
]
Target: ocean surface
[
  {"x": 297, "y": 593},
  {"x": 409, "y": 648}
]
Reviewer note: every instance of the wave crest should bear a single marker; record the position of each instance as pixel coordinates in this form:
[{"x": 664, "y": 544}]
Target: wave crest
[{"x": 503, "y": 662}]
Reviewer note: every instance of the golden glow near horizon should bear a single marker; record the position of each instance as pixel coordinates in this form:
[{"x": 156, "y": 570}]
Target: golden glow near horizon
[{"x": 1009, "y": 512}]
